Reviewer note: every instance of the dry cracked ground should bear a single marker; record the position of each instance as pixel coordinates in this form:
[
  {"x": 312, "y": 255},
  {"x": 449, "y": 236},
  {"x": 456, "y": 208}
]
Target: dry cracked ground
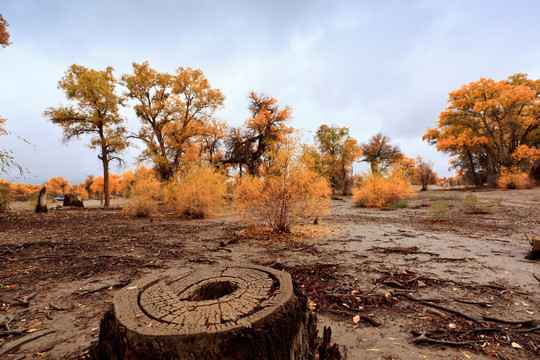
[{"x": 391, "y": 284}]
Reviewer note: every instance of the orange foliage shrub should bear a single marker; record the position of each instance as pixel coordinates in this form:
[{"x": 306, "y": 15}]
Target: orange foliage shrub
[
  {"x": 57, "y": 186},
  {"x": 199, "y": 192},
  {"x": 114, "y": 185},
  {"x": 513, "y": 178},
  {"x": 80, "y": 189},
  {"x": 284, "y": 194},
  {"x": 145, "y": 191},
  {"x": 379, "y": 191}
]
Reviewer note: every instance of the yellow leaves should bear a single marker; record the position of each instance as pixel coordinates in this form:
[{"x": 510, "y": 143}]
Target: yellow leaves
[
  {"x": 379, "y": 191},
  {"x": 198, "y": 192},
  {"x": 514, "y": 178},
  {"x": 286, "y": 193}
]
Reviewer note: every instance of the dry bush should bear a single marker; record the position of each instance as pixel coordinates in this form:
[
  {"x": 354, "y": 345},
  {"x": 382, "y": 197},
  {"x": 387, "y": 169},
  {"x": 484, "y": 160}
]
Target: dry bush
[
  {"x": 199, "y": 192},
  {"x": 146, "y": 192},
  {"x": 513, "y": 178},
  {"x": 285, "y": 193},
  {"x": 379, "y": 191}
]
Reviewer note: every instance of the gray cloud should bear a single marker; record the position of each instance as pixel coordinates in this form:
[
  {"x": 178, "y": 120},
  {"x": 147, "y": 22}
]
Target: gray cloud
[{"x": 368, "y": 65}]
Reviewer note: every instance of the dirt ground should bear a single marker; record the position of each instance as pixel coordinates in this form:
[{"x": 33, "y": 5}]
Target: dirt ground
[{"x": 389, "y": 283}]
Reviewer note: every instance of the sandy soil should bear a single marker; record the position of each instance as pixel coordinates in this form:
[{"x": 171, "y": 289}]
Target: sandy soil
[{"x": 357, "y": 261}]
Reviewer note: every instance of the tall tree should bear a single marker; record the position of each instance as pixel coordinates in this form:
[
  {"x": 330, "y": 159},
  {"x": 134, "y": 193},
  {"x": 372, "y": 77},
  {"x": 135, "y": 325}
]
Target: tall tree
[
  {"x": 4, "y": 34},
  {"x": 379, "y": 153},
  {"x": 252, "y": 145},
  {"x": 173, "y": 110},
  {"x": 489, "y": 125},
  {"x": 95, "y": 113},
  {"x": 335, "y": 154},
  {"x": 423, "y": 173},
  {"x": 6, "y": 159}
]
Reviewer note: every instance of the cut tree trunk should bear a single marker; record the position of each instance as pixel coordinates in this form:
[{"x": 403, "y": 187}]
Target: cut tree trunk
[
  {"x": 209, "y": 312},
  {"x": 41, "y": 206},
  {"x": 73, "y": 200}
]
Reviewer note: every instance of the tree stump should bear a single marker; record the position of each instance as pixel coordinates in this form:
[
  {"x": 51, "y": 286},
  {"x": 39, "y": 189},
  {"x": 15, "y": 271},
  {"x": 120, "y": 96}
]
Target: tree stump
[
  {"x": 41, "y": 206},
  {"x": 73, "y": 200},
  {"x": 210, "y": 312}
]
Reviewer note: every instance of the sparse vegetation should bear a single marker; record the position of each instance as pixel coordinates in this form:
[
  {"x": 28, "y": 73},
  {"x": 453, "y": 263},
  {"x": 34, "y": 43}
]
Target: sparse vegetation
[
  {"x": 399, "y": 204},
  {"x": 470, "y": 202},
  {"x": 439, "y": 210},
  {"x": 443, "y": 197}
]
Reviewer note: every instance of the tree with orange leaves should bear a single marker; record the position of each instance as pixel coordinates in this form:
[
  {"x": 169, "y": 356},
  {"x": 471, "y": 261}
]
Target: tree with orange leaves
[
  {"x": 489, "y": 125},
  {"x": 96, "y": 114},
  {"x": 58, "y": 186},
  {"x": 251, "y": 146},
  {"x": 423, "y": 173},
  {"x": 174, "y": 110},
  {"x": 98, "y": 185},
  {"x": 4, "y": 34}
]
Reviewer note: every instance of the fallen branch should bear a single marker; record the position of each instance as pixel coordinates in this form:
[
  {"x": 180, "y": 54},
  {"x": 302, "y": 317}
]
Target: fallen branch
[
  {"x": 529, "y": 330},
  {"x": 23, "y": 341},
  {"x": 511, "y": 322},
  {"x": 104, "y": 287},
  {"x": 440, "y": 307},
  {"x": 424, "y": 338},
  {"x": 536, "y": 277},
  {"x": 481, "y": 303},
  {"x": 402, "y": 250},
  {"x": 365, "y": 318},
  {"x": 53, "y": 306},
  {"x": 12, "y": 332}
]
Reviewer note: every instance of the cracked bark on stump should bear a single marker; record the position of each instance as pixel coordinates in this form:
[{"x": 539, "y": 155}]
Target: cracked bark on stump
[{"x": 210, "y": 312}]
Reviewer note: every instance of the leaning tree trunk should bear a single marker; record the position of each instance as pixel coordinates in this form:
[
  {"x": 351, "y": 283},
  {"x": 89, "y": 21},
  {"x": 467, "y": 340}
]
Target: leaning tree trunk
[
  {"x": 41, "y": 206},
  {"x": 210, "y": 312}
]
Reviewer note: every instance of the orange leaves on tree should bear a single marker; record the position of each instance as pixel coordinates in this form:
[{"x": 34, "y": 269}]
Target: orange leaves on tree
[
  {"x": 58, "y": 186},
  {"x": 486, "y": 123},
  {"x": 286, "y": 192},
  {"x": 379, "y": 191},
  {"x": 4, "y": 34},
  {"x": 198, "y": 192}
]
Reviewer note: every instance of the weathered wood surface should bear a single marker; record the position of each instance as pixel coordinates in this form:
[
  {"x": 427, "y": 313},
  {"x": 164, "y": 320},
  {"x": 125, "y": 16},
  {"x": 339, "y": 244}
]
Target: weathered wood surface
[
  {"x": 73, "y": 200},
  {"x": 41, "y": 206},
  {"x": 210, "y": 312}
]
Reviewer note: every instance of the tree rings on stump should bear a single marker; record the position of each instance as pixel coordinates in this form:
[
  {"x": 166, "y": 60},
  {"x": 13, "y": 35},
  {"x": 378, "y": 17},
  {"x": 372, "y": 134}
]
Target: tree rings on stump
[{"x": 209, "y": 312}]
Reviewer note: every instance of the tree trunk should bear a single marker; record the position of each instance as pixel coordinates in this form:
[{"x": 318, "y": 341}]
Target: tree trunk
[
  {"x": 211, "y": 312},
  {"x": 73, "y": 200},
  {"x": 106, "y": 180},
  {"x": 41, "y": 206}
]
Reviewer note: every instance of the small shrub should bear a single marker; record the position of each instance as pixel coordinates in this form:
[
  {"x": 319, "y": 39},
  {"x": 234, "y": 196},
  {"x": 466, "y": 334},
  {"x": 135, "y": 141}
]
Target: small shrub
[
  {"x": 399, "y": 204},
  {"x": 198, "y": 193},
  {"x": 379, "y": 191},
  {"x": 470, "y": 202},
  {"x": 142, "y": 206},
  {"x": 497, "y": 201},
  {"x": 513, "y": 178},
  {"x": 286, "y": 193},
  {"x": 495, "y": 205},
  {"x": 438, "y": 210},
  {"x": 443, "y": 197},
  {"x": 4, "y": 204},
  {"x": 146, "y": 191}
]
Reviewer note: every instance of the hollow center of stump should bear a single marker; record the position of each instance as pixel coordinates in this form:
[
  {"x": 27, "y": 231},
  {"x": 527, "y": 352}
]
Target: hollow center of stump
[{"x": 213, "y": 291}]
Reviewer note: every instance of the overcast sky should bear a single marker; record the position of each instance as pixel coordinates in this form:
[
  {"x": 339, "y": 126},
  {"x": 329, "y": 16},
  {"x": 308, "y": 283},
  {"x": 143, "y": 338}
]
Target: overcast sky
[{"x": 368, "y": 65}]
